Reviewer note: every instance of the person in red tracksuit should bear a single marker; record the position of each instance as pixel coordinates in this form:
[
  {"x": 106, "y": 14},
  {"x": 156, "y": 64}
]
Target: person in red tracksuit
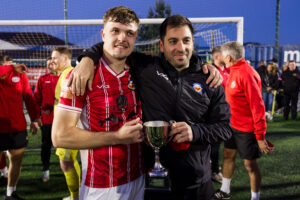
[
  {"x": 243, "y": 93},
  {"x": 215, "y": 148},
  {"x": 44, "y": 101},
  {"x": 14, "y": 88},
  {"x": 4, "y": 69}
]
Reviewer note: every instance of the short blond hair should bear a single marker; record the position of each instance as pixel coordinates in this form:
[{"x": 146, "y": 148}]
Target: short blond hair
[
  {"x": 63, "y": 50},
  {"x": 120, "y": 14}
]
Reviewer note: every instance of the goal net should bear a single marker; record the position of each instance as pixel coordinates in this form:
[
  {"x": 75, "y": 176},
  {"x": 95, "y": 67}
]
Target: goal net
[{"x": 31, "y": 41}]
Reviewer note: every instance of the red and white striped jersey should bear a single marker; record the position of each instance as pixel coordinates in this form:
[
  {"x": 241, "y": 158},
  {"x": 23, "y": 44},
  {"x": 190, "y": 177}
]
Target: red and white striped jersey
[{"x": 111, "y": 103}]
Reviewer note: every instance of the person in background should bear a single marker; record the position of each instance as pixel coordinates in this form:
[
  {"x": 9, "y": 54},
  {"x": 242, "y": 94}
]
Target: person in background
[
  {"x": 61, "y": 60},
  {"x": 243, "y": 93},
  {"x": 7, "y": 60},
  {"x": 14, "y": 88},
  {"x": 270, "y": 82},
  {"x": 261, "y": 67},
  {"x": 215, "y": 148},
  {"x": 44, "y": 101},
  {"x": 3, "y": 164},
  {"x": 291, "y": 84}
]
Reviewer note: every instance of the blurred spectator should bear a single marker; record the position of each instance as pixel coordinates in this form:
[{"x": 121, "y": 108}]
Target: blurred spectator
[
  {"x": 44, "y": 101},
  {"x": 270, "y": 82},
  {"x": 14, "y": 88},
  {"x": 7, "y": 60},
  {"x": 218, "y": 62},
  {"x": 291, "y": 83},
  {"x": 261, "y": 66}
]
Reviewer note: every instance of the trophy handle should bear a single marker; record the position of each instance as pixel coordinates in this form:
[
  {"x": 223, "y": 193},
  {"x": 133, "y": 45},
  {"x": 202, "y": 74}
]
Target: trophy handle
[{"x": 170, "y": 124}]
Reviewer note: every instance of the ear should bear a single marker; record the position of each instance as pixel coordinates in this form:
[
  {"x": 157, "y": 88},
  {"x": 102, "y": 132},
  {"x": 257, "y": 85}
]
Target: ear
[
  {"x": 161, "y": 46},
  {"x": 102, "y": 34}
]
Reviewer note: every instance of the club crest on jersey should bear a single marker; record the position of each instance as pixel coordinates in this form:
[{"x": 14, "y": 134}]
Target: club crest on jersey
[
  {"x": 198, "y": 88},
  {"x": 15, "y": 79},
  {"x": 131, "y": 85},
  {"x": 233, "y": 84}
]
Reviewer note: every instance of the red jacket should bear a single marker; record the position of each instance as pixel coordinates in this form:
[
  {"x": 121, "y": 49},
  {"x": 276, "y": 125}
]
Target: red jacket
[
  {"x": 243, "y": 93},
  {"x": 44, "y": 97},
  {"x": 14, "y": 87},
  {"x": 4, "y": 69}
]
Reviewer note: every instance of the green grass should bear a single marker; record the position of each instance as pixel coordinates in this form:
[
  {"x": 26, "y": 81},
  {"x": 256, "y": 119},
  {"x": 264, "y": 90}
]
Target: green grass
[{"x": 280, "y": 170}]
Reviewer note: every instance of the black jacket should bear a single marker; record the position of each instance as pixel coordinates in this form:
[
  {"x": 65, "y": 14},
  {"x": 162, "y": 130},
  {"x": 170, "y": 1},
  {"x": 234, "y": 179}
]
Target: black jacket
[
  {"x": 269, "y": 80},
  {"x": 167, "y": 94},
  {"x": 291, "y": 81}
]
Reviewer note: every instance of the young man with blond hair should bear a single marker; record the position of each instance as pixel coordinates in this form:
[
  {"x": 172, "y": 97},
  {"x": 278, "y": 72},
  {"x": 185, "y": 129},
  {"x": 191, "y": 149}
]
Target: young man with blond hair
[
  {"x": 111, "y": 129},
  {"x": 61, "y": 60}
]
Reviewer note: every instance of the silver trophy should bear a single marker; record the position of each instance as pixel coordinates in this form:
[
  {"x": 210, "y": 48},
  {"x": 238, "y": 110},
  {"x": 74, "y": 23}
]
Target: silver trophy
[{"x": 157, "y": 135}]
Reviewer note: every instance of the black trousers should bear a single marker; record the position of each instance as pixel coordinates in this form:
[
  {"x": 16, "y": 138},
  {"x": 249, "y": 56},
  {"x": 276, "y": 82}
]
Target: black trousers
[
  {"x": 203, "y": 192},
  {"x": 293, "y": 99},
  {"x": 46, "y": 146},
  {"x": 214, "y": 157}
]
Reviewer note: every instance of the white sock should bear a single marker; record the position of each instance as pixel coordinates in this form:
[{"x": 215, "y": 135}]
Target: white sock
[
  {"x": 10, "y": 190},
  {"x": 4, "y": 171},
  {"x": 225, "y": 185},
  {"x": 255, "y": 195}
]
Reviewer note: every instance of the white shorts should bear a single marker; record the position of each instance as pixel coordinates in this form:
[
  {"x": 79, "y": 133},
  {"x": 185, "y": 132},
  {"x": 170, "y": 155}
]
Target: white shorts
[{"x": 129, "y": 191}]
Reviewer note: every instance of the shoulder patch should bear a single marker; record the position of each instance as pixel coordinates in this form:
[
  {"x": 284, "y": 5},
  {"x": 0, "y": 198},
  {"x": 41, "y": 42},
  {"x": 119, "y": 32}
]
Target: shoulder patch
[
  {"x": 233, "y": 84},
  {"x": 15, "y": 79},
  {"x": 198, "y": 88},
  {"x": 131, "y": 85}
]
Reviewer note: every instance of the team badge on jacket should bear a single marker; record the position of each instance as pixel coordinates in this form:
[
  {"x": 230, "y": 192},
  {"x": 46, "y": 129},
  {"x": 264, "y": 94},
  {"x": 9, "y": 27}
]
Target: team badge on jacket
[
  {"x": 198, "y": 88},
  {"x": 233, "y": 84},
  {"x": 15, "y": 79},
  {"x": 131, "y": 85}
]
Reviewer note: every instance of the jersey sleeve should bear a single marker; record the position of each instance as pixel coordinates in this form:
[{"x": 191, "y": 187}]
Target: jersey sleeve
[
  {"x": 28, "y": 98},
  {"x": 38, "y": 96},
  {"x": 68, "y": 101},
  {"x": 4, "y": 69},
  {"x": 252, "y": 87}
]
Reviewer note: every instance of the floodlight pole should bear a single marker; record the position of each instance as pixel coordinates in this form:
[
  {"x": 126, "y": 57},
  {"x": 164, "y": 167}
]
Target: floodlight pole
[
  {"x": 66, "y": 26},
  {"x": 277, "y": 29}
]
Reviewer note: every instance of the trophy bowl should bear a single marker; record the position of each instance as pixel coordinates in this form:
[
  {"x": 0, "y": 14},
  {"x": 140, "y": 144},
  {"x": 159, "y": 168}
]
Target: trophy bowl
[{"x": 157, "y": 135}]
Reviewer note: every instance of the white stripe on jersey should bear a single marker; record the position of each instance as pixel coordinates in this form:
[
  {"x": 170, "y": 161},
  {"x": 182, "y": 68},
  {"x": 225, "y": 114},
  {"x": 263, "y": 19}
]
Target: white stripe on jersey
[
  {"x": 69, "y": 108},
  {"x": 112, "y": 71},
  {"x": 107, "y": 116}
]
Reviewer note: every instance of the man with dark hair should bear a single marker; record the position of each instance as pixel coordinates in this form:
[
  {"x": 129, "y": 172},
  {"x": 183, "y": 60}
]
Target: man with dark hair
[
  {"x": 291, "y": 84},
  {"x": 243, "y": 93},
  {"x": 173, "y": 86},
  {"x": 44, "y": 101}
]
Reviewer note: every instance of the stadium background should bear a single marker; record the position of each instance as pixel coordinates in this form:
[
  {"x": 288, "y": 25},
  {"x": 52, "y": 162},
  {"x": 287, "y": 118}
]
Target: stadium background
[
  {"x": 259, "y": 26},
  {"x": 281, "y": 169}
]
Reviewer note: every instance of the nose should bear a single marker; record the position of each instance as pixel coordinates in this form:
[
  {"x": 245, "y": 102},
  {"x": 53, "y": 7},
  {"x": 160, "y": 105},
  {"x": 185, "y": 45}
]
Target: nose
[
  {"x": 180, "y": 46},
  {"x": 122, "y": 36}
]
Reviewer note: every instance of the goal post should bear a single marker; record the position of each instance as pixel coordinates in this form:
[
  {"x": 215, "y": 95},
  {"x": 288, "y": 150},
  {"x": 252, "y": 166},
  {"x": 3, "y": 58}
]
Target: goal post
[{"x": 31, "y": 41}]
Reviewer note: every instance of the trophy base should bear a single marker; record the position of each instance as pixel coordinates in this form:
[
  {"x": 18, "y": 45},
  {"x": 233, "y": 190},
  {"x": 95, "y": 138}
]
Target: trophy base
[{"x": 155, "y": 181}]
